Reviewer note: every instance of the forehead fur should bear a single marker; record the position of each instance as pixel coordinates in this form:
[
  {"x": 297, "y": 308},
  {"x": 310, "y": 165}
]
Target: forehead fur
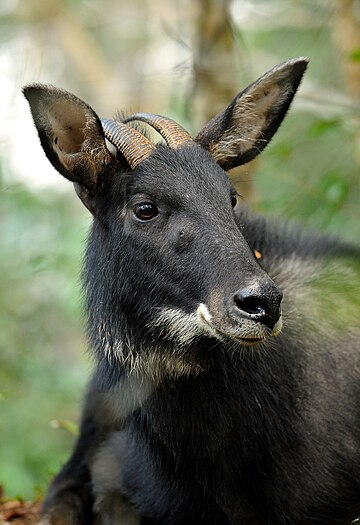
[{"x": 184, "y": 170}]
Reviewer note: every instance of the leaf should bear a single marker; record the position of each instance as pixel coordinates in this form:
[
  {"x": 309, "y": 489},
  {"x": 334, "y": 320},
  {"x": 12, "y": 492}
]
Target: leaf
[
  {"x": 355, "y": 55},
  {"x": 320, "y": 127}
]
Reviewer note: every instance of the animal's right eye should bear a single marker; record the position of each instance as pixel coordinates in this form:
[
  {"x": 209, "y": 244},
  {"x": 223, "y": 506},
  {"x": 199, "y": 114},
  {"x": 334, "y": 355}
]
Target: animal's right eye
[{"x": 145, "y": 211}]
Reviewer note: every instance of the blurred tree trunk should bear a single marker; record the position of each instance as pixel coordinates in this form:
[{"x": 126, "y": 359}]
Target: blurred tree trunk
[
  {"x": 347, "y": 39},
  {"x": 80, "y": 46},
  {"x": 216, "y": 61}
]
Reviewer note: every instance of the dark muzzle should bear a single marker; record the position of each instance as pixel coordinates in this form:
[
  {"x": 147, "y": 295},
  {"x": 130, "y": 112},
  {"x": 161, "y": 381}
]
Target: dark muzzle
[{"x": 261, "y": 303}]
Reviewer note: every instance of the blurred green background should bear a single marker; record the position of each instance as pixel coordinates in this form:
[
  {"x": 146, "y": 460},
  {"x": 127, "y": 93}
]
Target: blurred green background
[{"x": 182, "y": 58}]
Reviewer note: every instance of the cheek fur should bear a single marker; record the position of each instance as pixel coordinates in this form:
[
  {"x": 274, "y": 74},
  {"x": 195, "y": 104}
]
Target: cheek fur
[{"x": 176, "y": 325}]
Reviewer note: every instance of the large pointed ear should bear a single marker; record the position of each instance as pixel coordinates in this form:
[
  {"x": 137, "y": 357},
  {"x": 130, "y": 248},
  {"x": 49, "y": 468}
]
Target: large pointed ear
[
  {"x": 240, "y": 132},
  {"x": 72, "y": 137}
]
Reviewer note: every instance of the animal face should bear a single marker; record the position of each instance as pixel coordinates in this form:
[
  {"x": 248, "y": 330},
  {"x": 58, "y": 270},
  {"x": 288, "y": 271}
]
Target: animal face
[
  {"x": 179, "y": 254},
  {"x": 166, "y": 259}
]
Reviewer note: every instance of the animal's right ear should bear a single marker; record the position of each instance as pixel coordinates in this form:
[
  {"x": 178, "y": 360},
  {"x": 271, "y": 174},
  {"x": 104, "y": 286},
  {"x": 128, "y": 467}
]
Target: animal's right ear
[
  {"x": 240, "y": 132},
  {"x": 72, "y": 137}
]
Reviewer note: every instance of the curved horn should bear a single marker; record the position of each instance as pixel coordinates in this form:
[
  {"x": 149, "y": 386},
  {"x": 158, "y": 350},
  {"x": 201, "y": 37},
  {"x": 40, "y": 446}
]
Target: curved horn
[
  {"x": 130, "y": 142},
  {"x": 174, "y": 134}
]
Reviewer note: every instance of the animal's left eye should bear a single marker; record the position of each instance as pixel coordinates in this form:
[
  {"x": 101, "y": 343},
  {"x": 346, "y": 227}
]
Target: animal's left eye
[
  {"x": 145, "y": 211},
  {"x": 233, "y": 200}
]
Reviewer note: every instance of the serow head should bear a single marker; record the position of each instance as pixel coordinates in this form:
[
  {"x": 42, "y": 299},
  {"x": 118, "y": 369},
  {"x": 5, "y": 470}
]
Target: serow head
[{"x": 166, "y": 260}]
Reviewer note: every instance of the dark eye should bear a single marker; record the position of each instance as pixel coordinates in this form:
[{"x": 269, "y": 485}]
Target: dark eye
[
  {"x": 233, "y": 200},
  {"x": 145, "y": 211}
]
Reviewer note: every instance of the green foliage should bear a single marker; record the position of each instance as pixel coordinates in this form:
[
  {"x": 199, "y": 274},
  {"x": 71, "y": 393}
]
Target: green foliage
[
  {"x": 321, "y": 193},
  {"x": 40, "y": 376},
  {"x": 355, "y": 55}
]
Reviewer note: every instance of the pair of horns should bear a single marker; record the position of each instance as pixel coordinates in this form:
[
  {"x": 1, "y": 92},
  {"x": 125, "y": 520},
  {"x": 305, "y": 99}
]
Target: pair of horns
[{"x": 133, "y": 145}]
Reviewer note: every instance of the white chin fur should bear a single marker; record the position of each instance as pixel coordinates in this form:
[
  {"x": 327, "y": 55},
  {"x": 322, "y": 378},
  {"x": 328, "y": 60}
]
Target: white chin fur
[
  {"x": 178, "y": 325},
  {"x": 183, "y": 328}
]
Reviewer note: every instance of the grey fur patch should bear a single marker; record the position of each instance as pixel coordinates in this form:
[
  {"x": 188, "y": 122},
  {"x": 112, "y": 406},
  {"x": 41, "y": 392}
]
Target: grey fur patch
[
  {"x": 318, "y": 289},
  {"x": 110, "y": 506},
  {"x": 114, "y": 406}
]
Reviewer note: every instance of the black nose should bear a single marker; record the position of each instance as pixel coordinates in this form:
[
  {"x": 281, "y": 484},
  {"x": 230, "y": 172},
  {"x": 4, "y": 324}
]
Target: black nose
[{"x": 259, "y": 303}]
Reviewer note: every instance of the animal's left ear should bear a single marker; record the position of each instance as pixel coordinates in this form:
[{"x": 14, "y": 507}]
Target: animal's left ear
[
  {"x": 73, "y": 139},
  {"x": 240, "y": 132}
]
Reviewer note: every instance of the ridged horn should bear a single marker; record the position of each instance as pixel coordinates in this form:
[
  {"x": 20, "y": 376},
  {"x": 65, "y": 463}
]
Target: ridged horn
[
  {"x": 174, "y": 134},
  {"x": 129, "y": 141}
]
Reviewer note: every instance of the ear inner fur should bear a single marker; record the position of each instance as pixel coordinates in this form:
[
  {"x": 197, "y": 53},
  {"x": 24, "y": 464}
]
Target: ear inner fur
[
  {"x": 71, "y": 135},
  {"x": 240, "y": 132}
]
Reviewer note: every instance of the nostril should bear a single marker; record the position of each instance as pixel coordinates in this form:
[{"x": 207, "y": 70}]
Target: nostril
[
  {"x": 262, "y": 304},
  {"x": 251, "y": 305}
]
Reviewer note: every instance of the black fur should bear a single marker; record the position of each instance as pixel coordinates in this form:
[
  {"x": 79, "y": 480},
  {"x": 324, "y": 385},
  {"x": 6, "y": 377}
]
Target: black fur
[{"x": 186, "y": 422}]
